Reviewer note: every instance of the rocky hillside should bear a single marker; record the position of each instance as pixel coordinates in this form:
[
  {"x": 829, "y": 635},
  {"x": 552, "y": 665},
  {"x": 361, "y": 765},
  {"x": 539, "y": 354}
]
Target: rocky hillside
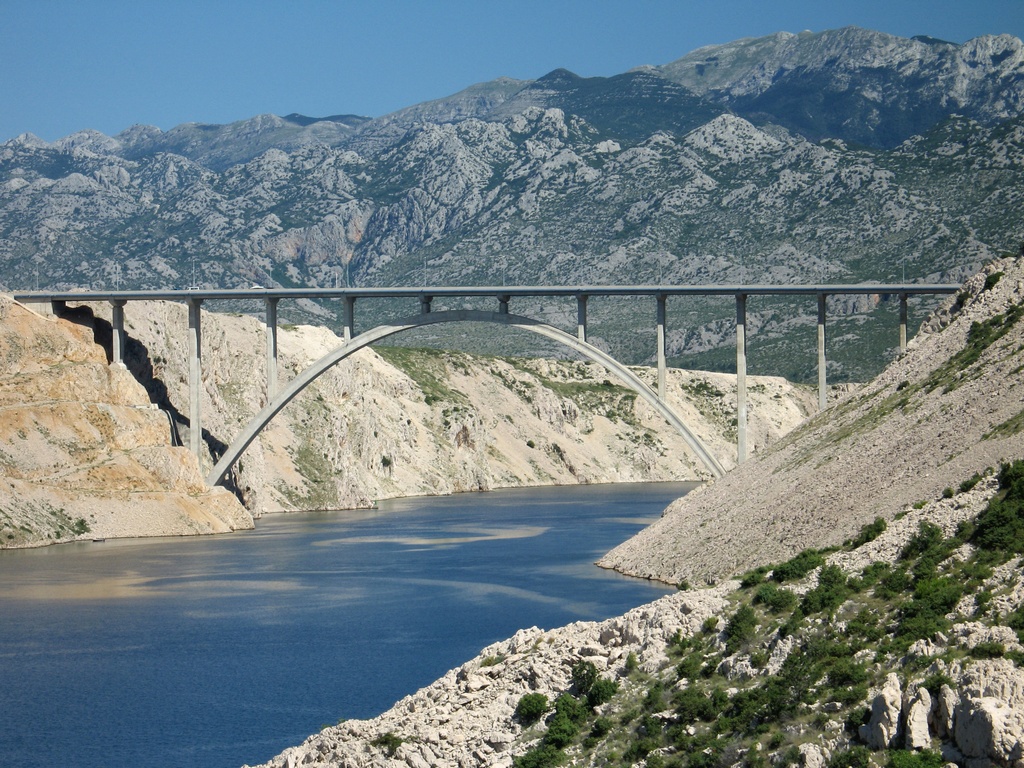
[
  {"x": 901, "y": 646},
  {"x": 83, "y": 451},
  {"x": 402, "y": 422},
  {"x": 952, "y": 407},
  {"x": 706, "y": 170}
]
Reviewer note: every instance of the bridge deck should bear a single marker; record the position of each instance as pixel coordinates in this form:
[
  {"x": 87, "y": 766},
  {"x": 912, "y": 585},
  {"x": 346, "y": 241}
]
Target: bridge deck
[{"x": 511, "y": 291}]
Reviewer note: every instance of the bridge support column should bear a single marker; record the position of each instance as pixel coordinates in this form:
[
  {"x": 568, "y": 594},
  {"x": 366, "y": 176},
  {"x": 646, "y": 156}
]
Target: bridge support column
[
  {"x": 581, "y": 316},
  {"x": 195, "y": 378},
  {"x": 741, "y": 378},
  {"x": 271, "y": 323},
  {"x": 425, "y": 302},
  {"x": 662, "y": 365},
  {"x": 117, "y": 344},
  {"x": 903, "y": 323},
  {"x": 350, "y": 318},
  {"x": 822, "y": 383},
  {"x": 503, "y": 305}
]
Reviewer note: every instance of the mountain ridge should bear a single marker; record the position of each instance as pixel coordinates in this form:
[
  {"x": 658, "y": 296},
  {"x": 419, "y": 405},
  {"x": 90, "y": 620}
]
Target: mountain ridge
[{"x": 563, "y": 180}]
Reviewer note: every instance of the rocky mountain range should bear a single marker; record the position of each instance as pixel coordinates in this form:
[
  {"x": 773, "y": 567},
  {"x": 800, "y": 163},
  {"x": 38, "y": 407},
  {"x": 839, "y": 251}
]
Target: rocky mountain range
[{"x": 842, "y": 156}]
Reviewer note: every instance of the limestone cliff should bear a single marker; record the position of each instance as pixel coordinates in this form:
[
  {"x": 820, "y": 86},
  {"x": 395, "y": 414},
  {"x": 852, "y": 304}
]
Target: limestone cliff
[{"x": 83, "y": 452}]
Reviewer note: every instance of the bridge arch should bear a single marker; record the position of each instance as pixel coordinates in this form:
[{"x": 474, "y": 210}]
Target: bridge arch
[{"x": 365, "y": 339}]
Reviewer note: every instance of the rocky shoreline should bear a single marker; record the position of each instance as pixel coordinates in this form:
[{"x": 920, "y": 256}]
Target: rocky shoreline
[{"x": 467, "y": 717}]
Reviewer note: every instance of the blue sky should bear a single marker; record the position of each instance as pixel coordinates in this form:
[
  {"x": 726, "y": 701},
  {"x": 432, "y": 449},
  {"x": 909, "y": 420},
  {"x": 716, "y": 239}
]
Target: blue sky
[{"x": 109, "y": 64}]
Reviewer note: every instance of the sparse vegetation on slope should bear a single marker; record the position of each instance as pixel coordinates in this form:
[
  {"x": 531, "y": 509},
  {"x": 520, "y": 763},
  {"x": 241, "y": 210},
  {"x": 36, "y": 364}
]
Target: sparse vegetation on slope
[{"x": 788, "y": 672}]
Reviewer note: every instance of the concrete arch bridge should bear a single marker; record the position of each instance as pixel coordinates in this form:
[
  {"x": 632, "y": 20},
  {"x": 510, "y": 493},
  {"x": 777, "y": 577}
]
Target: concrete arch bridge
[{"x": 278, "y": 398}]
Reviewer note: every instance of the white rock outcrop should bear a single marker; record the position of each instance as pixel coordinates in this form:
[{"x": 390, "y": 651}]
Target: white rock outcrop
[{"x": 881, "y": 731}]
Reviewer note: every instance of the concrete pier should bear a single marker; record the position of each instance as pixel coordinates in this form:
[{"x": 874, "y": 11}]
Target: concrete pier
[
  {"x": 903, "y": 323},
  {"x": 741, "y": 378},
  {"x": 195, "y": 377},
  {"x": 271, "y": 323},
  {"x": 117, "y": 342},
  {"x": 581, "y": 316},
  {"x": 662, "y": 362},
  {"x": 822, "y": 383}
]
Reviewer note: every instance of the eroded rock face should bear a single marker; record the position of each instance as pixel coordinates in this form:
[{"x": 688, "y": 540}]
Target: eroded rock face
[
  {"x": 882, "y": 729},
  {"x": 918, "y": 709},
  {"x": 989, "y": 717},
  {"x": 83, "y": 452}
]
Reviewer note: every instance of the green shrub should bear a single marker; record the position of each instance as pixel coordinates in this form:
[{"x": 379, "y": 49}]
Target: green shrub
[
  {"x": 873, "y": 572},
  {"x": 710, "y": 625},
  {"x": 991, "y": 280},
  {"x": 854, "y": 757},
  {"x": 869, "y": 532},
  {"x": 602, "y": 727},
  {"x": 892, "y": 584},
  {"x": 654, "y": 697},
  {"x": 740, "y": 629},
  {"x": 775, "y": 598},
  {"x": 690, "y": 666},
  {"x": 926, "y": 613},
  {"x": 928, "y": 537},
  {"x": 1001, "y": 526},
  {"x": 531, "y": 708},
  {"x": 970, "y": 482},
  {"x": 754, "y": 577},
  {"x": 846, "y": 671},
  {"x": 988, "y": 650},
  {"x": 565, "y": 724},
  {"x": 584, "y": 675},
  {"x": 388, "y": 742},
  {"x": 1015, "y": 621},
  {"x": 934, "y": 682},
  {"x": 648, "y": 739},
  {"x": 692, "y": 706},
  {"x": 830, "y": 593},
  {"x": 541, "y": 756},
  {"x": 926, "y": 758},
  {"x": 799, "y": 566},
  {"x": 792, "y": 756},
  {"x": 601, "y": 692}
]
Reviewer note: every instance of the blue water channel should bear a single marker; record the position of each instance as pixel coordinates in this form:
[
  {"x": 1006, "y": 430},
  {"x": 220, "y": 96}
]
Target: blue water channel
[{"x": 222, "y": 650}]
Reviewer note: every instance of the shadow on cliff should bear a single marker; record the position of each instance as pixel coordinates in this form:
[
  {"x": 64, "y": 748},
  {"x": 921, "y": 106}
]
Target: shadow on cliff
[{"x": 141, "y": 365}]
